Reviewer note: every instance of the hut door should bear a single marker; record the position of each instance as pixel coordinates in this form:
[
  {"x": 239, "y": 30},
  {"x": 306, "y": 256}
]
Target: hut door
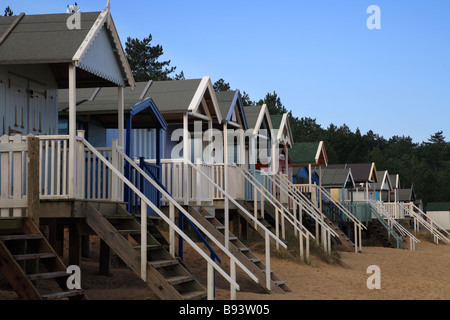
[
  {"x": 38, "y": 117},
  {"x": 17, "y": 113}
]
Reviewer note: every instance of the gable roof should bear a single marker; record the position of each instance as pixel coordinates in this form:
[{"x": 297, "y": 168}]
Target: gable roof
[
  {"x": 172, "y": 97},
  {"x": 438, "y": 206},
  {"x": 362, "y": 172},
  {"x": 337, "y": 178},
  {"x": 305, "y": 153},
  {"x": 229, "y": 103},
  {"x": 383, "y": 177},
  {"x": 257, "y": 117},
  {"x": 49, "y": 41},
  {"x": 281, "y": 123},
  {"x": 395, "y": 180},
  {"x": 406, "y": 194}
]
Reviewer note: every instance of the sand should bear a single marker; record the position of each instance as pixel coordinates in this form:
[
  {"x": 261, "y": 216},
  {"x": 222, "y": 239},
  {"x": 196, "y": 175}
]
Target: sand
[{"x": 405, "y": 275}]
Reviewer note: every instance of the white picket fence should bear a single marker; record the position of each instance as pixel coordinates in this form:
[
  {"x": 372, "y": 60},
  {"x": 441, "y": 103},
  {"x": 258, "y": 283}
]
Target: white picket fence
[{"x": 13, "y": 188}]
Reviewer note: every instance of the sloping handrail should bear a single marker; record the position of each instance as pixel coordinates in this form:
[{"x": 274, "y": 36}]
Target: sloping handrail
[
  {"x": 382, "y": 211},
  {"x": 301, "y": 199},
  {"x": 267, "y": 232},
  {"x": 174, "y": 228},
  {"x": 214, "y": 255},
  {"x": 430, "y": 225},
  {"x": 305, "y": 203},
  {"x": 280, "y": 208}
]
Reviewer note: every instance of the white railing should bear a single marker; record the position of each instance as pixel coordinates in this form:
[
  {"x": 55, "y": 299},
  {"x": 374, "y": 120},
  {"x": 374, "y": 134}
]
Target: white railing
[
  {"x": 396, "y": 210},
  {"x": 53, "y": 157},
  {"x": 303, "y": 203},
  {"x": 173, "y": 228},
  {"x": 183, "y": 183},
  {"x": 358, "y": 225},
  {"x": 420, "y": 218},
  {"x": 267, "y": 234},
  {"x": 286, "y": 215},
  {"x": 235, "y": 181},
  {"x": 378, "y": 206},
  {"x": 13, "y": 176}
]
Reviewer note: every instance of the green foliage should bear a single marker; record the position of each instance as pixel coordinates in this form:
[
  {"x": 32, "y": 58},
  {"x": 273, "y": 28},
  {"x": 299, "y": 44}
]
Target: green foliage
[
  {"x": 144, "y": 60},
  {"x": 221, "y": 85},
  {"x": 8, "y": 12}
]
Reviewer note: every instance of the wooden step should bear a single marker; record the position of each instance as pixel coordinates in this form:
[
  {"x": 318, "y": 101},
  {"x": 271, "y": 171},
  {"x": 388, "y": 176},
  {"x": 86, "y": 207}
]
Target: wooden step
[
  {"x": 21, "y": 237},
  {"x": 194, "y": 295},
  {"x": 33, "y": 256},
  {"x": 48, "y": 275},
  {"x": 62, "y": 295},
  {"x": 150, "y": 247},
  {"x": 179, "y": 279},
  {"x": 163, "y": 263},
  {"x": 127, "y": 232}
]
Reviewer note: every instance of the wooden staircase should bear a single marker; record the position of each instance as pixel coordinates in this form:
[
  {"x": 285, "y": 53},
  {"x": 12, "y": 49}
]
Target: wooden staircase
[
  {"x": 166, "y": 276},
  {"x": 238, "y": 249},
  {"x": 342, "y": 243},
  {"x": 32, "y": 267},
  {"x": 379, "y": 232}
]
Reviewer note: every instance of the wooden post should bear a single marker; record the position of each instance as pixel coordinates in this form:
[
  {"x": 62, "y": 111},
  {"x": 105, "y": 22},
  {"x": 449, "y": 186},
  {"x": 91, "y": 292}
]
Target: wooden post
[
  {"x": 74, "y": 246},
  {"x": 225, "y": 181},
  {"x": 104, "y": 259},
  {"x": 33, "y": 168},
  {"x": 186, "y": 181},
  {"x": 72, "y": 130}
]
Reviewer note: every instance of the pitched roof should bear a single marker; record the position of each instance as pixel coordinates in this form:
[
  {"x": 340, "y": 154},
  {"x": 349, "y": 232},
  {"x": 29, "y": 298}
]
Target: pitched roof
[
  {"x": 341, "y": 178},
  {"x": 438, "y": 206},
  {"x": 304, "y": 153},
  {"x": 383, "y": 177},
  {"x": 281, "y": 123},
  {"x": 46, "y": 39},
  {"x": 406, "y": 194},
  {"x": 258, "y": 117},
  {"x": 228, "y": 102},
  {"x": 362, "y": 172},
  {"x": 172, "y": 97}
]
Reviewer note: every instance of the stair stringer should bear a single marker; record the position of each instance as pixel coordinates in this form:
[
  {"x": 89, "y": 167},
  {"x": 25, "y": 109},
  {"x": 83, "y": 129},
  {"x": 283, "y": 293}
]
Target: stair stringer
[{"x": 125, "y": 250}]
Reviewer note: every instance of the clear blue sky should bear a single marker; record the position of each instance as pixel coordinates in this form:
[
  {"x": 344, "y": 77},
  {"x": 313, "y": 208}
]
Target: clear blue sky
[{"x": 318, "y": 55}]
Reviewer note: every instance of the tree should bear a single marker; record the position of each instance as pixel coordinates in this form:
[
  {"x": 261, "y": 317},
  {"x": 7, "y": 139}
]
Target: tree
[
  {"x": 438, "y": 137},
  {"x": 8, "y": 12},
  {"x": 273, "y": 102},
  {"x": 221, "y": 85},
  {"x": 143, "y": 59}
]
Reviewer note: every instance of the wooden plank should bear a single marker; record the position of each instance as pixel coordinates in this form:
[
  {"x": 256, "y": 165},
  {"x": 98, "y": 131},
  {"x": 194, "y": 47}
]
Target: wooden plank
[
  {"x": 15, "y": 275},
  {"x": 33, "y": 192}
]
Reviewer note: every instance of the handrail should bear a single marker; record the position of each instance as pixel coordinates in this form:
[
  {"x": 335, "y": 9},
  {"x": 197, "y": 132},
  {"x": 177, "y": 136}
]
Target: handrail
[
  {"x": 267, "y": 234},
  {"x": 428, "y": 225},
  {"x": 301, "y": 199},
  {"x": 279, "y": 207},
  {"x": 214, "y": 255},
  {"x": 380, "y": 218},
  {"x": 341, "y": 207},
  {"x": 215, "y": 185},
  {"x": 312, "y": 210},
  {"x": 211, "y": 264},
  {"x": 379, "y": 208}
]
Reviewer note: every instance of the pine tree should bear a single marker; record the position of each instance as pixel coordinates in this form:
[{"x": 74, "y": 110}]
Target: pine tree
[{"x": 144, "y": 60}]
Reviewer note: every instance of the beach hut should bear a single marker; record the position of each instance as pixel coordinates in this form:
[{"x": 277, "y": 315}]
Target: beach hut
[
  {"x": 439, "y": 212},
  {"x": 384, "y": 187},
  {"x": 365, "y": 177},
  {"x": 339, "y": 182}
]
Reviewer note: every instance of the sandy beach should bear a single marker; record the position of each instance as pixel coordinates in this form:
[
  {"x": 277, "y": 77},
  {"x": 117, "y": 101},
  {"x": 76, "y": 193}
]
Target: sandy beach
[{"x": 405, "y": 275}]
